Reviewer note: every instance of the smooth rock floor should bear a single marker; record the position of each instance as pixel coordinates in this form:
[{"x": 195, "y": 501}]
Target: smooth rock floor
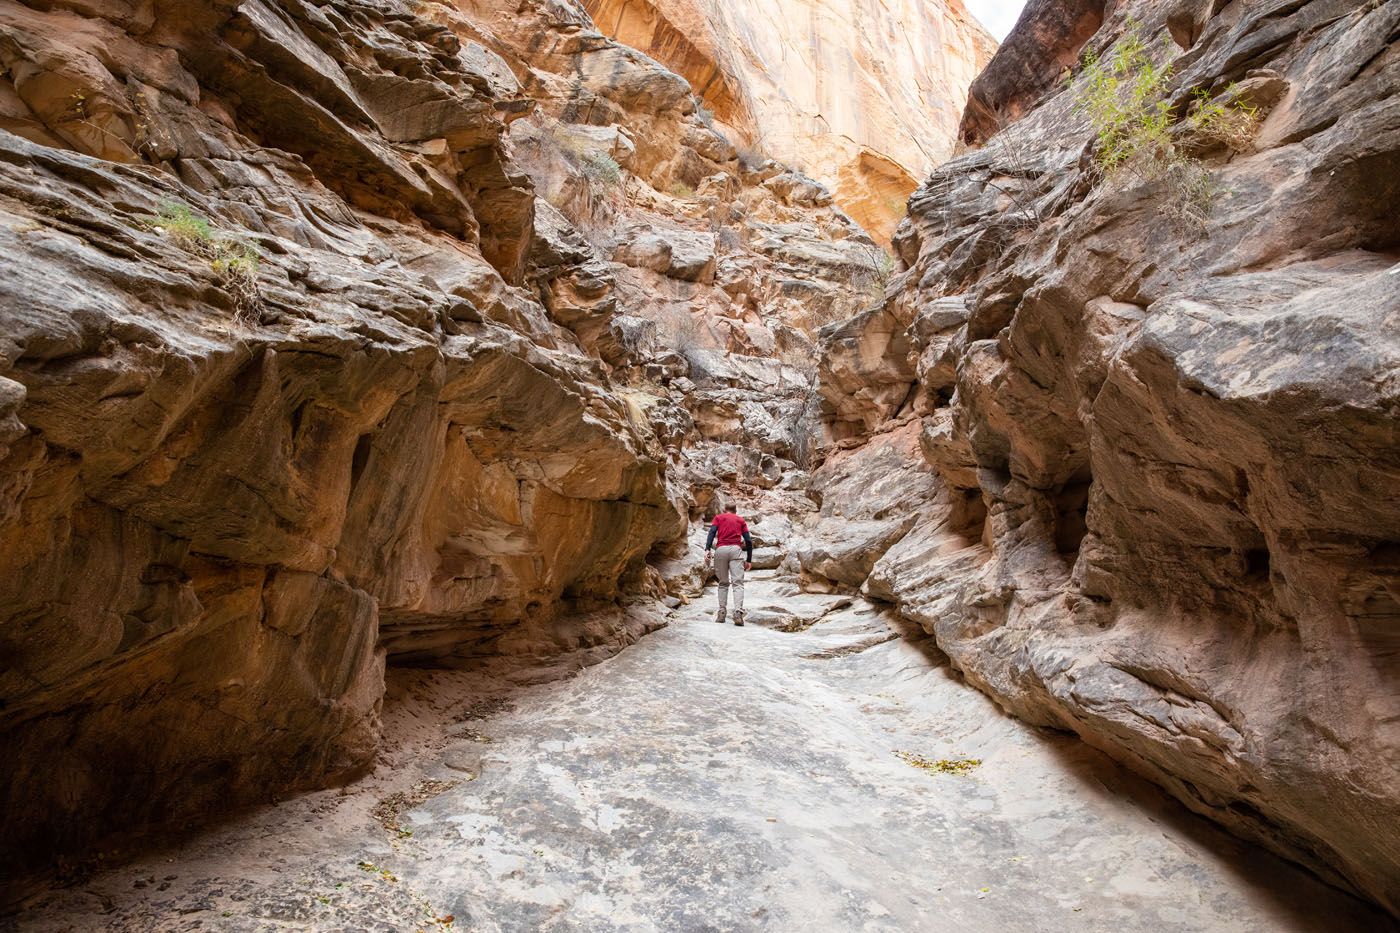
[{"x": 718, "y": 778}]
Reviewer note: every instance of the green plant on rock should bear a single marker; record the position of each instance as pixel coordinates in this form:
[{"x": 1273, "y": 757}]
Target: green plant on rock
[
  {"x": 1227, "y": 119},
  {"x": 1126, "y": 96},
  {"x": 940, "y": 765},
  {"x": 183, "y": 226},
  {"x": 234, "y": 262},
  {"x": 584, "y": 152}
]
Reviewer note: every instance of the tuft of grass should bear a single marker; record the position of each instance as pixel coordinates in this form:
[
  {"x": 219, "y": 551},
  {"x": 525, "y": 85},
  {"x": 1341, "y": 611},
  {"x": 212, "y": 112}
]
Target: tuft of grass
[
  {"x": 183, "y": 226},
  {"x": 680, "y": 189},
  {"x": 233, "y": 261},
  {"x": 939, "y": 765}
]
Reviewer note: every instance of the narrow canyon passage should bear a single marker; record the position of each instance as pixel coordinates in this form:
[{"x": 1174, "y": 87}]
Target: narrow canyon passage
[
  {"x": 716, "y": 778},
  {"x": 369, "y": 370}
]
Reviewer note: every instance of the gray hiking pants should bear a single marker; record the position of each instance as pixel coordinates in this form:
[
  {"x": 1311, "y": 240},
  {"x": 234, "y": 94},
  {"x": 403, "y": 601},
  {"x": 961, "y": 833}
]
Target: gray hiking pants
[{"x": 729, "y": 567}]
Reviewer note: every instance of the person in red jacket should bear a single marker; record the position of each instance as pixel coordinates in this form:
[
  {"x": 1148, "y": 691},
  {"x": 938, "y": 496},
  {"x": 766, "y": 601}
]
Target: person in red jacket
[{"x": 728, "y": 530}]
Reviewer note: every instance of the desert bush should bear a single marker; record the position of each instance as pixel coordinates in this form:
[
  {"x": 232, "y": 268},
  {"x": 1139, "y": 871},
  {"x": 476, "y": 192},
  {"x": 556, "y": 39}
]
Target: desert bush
[
  {"x": 680, "y": 189},
  {"x": 584, "y": 153},
  {"x": 600, "y": 167},
  {"x": 876, "y": 269},
  {"x": 1015, "y": 159},
  {"x": 1126, "y": 98},
  {"x": 1193, "y": 194},
  {"x": 679, "y": 331},
  {"x": 1233, "y": 125},
  {"x": 751, "y": 156},
  {"x": 235, "y": 263},
  {"x": 802, "y": 429}
]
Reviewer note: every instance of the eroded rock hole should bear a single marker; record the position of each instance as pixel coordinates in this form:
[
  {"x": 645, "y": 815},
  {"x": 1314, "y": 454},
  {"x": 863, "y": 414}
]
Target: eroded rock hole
[
  {"x": 1071, "y": 514},
  {"x": 360, "y": 458}
]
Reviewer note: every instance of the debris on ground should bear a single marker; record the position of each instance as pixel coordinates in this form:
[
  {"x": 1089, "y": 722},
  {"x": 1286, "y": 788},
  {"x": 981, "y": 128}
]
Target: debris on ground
[
  {"x": 939, "y": 765},
  {"x": 388, "y": 810}
]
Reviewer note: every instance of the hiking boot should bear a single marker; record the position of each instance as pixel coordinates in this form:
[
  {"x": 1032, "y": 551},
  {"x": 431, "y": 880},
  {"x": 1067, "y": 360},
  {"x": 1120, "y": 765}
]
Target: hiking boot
[
  {"x": 719, "y": 617},
  {"x": 738, "y": 617}
]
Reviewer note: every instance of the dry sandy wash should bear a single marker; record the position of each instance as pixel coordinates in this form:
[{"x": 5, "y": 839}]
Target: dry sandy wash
[{"x": 716, "y": 778}]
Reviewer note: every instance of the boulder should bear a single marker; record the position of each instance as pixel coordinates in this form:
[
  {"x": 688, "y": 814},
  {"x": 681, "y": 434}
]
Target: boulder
[{"x": 670, "y": 251}]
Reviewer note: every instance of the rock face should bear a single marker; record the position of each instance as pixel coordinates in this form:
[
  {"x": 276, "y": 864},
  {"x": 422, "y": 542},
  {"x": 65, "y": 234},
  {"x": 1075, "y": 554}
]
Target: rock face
[
  {"x": 343, "y": 333},
  {"x": 1162, "y": 491},
  {"x": 865, "y": 96},
  {"x": 365, "y": 333},
  {"x": 1038, "y": 53}
]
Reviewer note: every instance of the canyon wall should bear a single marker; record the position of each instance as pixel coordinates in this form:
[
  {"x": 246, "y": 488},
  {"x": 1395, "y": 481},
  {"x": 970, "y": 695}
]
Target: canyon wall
[
  {"x": 1139, "y": 474},
  {"x": 863, "y": 95},
  {"x": 361, "y": 332},
  {"x": 350, "y": 333}
]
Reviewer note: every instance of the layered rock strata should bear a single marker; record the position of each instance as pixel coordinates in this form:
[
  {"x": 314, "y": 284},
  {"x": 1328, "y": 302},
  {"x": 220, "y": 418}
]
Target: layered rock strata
[
  {"x": 865, "y": 96},
  {"x": 1160, "y": 488},
  {"x": 343, "y": 332}
]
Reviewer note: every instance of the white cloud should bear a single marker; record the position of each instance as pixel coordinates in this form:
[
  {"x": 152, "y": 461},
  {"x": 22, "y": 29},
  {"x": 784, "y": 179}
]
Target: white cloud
[{"x": 997, "y": 15}]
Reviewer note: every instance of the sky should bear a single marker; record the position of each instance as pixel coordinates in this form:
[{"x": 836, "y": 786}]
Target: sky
[{"x": 997, "y": 15}]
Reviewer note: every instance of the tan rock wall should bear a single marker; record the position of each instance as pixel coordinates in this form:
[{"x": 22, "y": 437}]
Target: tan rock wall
[
  {"x": 863, "y": 95},
  {"x": 217, "y": 519},
  {"x": 517, "y": 311}
]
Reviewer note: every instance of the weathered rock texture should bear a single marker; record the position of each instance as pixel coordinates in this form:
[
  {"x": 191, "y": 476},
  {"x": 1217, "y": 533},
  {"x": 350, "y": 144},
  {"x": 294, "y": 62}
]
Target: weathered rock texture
[
  {"x": 1161, "y": 493},
  {"x": 515, "y": 301},
  {"x": 865, "y": 95}
]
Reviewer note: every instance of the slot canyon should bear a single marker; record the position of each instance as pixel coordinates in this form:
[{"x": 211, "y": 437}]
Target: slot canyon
[{"x": 371, "y": 372}]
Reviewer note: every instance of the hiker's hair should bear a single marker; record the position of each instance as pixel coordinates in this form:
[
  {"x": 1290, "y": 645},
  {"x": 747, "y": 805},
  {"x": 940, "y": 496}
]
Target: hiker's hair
[{"x": 731, "y": 507}]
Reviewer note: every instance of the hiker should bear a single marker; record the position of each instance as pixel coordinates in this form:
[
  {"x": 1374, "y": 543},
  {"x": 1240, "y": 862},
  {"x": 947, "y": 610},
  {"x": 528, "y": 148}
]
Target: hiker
[{"x": 728, "y": 530}]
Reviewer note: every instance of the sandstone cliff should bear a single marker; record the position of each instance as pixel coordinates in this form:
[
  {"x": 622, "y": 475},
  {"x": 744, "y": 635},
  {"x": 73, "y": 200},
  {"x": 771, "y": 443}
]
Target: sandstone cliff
[
  {"x": 864, "y": 95},
  {"x": 343, "y": 332},
  {"x": 362, "y": 333},
  {"x": 1145, "y": 474}
]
